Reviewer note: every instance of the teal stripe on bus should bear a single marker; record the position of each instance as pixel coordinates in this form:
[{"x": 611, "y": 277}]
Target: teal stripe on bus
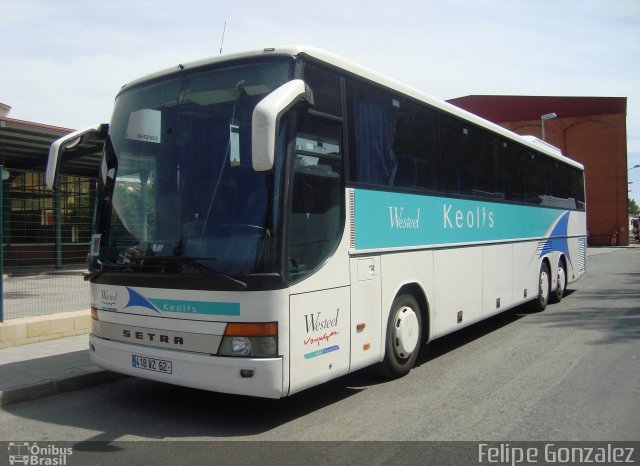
[
  {"x": 392, "y": 220},
  {"x": 196, "y": 307}
]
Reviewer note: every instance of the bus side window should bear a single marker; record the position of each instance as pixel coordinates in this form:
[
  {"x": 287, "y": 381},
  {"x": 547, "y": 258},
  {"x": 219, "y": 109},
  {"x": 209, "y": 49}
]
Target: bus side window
[
  {"x": 372, "y": 126},
  {"x": 509, "y": 171},
  {"x": 416, "y": 146},
  {"x": 452, "y": 155},
  {"x": 326, "y": 89}
]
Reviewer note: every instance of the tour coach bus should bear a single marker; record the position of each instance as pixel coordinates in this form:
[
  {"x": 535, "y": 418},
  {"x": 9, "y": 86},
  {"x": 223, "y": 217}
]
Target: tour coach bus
[{"x": 270, "y": 220}]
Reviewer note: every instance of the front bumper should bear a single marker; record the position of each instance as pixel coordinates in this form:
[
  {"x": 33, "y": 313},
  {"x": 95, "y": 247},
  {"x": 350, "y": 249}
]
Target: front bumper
[{"x": 206, "y": 372}]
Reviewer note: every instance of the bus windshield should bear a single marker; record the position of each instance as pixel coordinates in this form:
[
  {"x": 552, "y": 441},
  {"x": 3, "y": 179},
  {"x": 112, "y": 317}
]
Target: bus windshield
[{"x": 177, "y": 171}]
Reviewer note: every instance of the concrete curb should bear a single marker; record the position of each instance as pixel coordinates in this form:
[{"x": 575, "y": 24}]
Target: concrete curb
[
  {"x": 25, "y": 330},
  {"x": 55, "y": 387}
]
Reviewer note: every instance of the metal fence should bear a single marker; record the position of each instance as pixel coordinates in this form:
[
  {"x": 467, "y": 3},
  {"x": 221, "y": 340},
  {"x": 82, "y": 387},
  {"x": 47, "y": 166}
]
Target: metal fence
[{"x": 45, "y": 241}]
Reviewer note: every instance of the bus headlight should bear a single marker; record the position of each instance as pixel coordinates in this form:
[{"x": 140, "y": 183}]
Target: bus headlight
[
  {"x": 250, "y": 340},
  {"x": 241, "y": 346}
]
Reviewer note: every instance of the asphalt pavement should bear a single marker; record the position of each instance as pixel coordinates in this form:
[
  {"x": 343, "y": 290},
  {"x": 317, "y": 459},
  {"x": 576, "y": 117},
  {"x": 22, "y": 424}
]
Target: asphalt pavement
[{"x": 42, "y": 369}]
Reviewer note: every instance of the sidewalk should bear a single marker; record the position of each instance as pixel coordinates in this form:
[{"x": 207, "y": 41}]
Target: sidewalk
[
  {"x": 47, "y": 368},
  {"x": 36, "y": 370}
]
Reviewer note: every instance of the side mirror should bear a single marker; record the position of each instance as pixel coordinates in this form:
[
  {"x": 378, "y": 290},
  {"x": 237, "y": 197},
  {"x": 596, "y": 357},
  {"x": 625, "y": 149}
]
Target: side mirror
[
  {"x": 266, "y": 117},
  {"x": 74, "y": 144}
]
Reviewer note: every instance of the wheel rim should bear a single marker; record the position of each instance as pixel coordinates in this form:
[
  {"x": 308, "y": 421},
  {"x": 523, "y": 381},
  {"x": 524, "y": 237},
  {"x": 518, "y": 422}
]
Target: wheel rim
[
  {"x": 544, "y": 287},
  {"x": 406, "y": 331},
  {"x": 562, "y": 280}
]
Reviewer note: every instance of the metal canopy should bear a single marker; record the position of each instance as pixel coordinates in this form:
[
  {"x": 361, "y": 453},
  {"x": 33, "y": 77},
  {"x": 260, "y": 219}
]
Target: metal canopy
[{"x": 25, "y": 145}]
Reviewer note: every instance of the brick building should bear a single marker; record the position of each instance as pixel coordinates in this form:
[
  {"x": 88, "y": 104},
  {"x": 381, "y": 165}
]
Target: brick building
[{"x": 591, "y": 130}]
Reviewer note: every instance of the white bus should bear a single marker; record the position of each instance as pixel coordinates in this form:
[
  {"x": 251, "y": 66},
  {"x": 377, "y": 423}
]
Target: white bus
[{"x": 268, "y": 221}]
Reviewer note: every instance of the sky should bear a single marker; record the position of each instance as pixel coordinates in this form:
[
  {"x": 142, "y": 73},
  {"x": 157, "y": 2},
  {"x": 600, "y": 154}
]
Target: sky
[{"x": 62, "y": 62}]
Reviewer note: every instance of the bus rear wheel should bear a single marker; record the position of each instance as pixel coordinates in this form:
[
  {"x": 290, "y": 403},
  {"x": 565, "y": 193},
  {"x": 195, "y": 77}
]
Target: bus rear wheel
[
  {"x": 558, "y": 294},
  {"x": 544, "y": 289},
  {"x": 404, "y": 334}
]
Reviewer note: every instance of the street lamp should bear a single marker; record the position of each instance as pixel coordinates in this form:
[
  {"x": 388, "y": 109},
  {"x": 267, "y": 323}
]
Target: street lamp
[{"x": 546, "y": 116}]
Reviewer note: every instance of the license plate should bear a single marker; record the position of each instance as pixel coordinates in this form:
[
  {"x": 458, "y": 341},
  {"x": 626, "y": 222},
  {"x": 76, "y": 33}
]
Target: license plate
[{"x": 151, "y": 364}]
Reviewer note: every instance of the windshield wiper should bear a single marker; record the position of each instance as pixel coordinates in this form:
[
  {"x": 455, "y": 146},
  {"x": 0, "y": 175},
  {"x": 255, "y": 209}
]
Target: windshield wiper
[
  {"x": 172, "y": 259},
  {"x": 239, "y": 284},
  {"x": 194, "y": 261},
  {"x": 108, "y": 267},
  {"x": 149, "y": 262}
]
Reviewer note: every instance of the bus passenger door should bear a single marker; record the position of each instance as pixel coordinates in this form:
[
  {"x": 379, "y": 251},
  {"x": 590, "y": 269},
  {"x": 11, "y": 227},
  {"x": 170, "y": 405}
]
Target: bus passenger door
[{"x": 366, "y": 336}]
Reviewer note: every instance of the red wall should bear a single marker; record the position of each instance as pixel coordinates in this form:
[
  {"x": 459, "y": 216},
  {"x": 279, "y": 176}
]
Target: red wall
[
  {"x": 599, "y": 143},
  {"x": 591, "y": 130}
]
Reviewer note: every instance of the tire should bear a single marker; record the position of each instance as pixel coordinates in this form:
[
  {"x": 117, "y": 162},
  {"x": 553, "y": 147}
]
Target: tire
[
  {"x": 404, "y": 336},
  {"x": 558, "y": 293},
  {"x": 544, "y": 289}
]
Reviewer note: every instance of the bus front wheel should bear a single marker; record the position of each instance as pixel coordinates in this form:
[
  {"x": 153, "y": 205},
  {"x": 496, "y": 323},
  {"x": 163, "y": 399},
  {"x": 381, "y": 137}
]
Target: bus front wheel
[{"x": 404, "y": 334}]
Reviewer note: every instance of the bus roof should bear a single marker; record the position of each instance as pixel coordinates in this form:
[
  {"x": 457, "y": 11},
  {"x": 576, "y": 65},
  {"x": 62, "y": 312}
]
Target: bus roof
[{"x": 366, "y": 73}]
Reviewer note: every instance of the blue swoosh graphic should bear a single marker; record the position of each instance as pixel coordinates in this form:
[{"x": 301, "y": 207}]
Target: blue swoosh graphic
[
  {"x": 136, "y": 299},
  {"x": 558, "y": 236}
]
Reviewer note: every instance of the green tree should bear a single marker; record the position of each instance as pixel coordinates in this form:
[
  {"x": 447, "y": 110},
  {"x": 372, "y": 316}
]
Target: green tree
[{"x": 633, "y": 207}]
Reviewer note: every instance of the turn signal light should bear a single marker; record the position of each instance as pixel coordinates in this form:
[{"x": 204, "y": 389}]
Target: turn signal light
[{"x": 269, "y": 329}]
